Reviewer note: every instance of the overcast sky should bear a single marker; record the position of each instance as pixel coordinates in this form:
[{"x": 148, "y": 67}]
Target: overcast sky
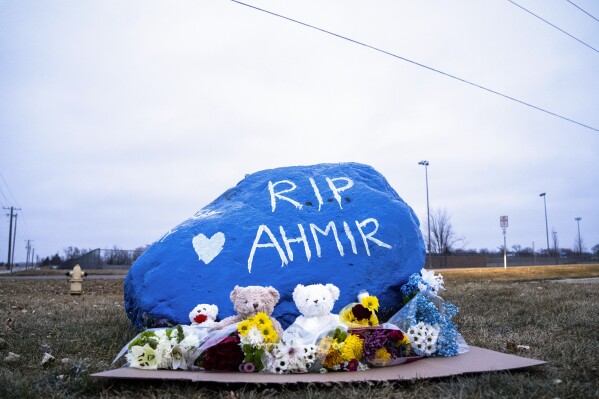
[{"x": 119, "y": 120}]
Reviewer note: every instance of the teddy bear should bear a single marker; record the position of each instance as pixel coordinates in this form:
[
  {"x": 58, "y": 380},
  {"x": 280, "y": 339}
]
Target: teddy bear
[
  {"x": 203, "y": 315},
  {"x": 315, "y": 303},
  {"x": 247, "y": 301}
]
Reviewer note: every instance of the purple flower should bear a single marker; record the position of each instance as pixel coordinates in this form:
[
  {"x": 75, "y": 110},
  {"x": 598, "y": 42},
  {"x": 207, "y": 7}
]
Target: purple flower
[
  {"x": 247, "y": 367},
  {"x": 373, "y": 342},
  {"x": 352, "y": 365}
]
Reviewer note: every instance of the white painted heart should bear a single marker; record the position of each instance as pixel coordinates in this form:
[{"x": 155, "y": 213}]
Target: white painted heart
[{"x": 208, "y": 248}]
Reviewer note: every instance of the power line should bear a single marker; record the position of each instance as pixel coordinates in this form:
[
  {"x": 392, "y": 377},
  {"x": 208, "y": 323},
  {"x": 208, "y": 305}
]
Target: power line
[
  {"x": 14, "y": 201},
  {"x": 3, "y": 195},
  {"x": 549, "y": 23},
  {"x": 583, "y": 10},
  {"x": 418, "y": 64},
  {"x": 9, "y": 192}
]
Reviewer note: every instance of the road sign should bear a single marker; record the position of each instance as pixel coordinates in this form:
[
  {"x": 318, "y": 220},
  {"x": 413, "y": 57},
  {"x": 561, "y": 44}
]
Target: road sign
[{"x": 503, "y": 221}]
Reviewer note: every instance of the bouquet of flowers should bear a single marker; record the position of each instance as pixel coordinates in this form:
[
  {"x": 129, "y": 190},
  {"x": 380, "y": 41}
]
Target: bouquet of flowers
[
  {"x": 341, "y": 351},
  {"x": 224, "y": 355},
  {"x": 239, "y": 347},
  {"x": 352, "y": 342},
  {"x": 290, "y": 357},
  {"x": 362, "y": 314},
  {"x": 257, "y": 335},
  {"x": 426, "y": 318},
  {"x": 164, "y": 349},
  {"x": 385, "y": 346}
]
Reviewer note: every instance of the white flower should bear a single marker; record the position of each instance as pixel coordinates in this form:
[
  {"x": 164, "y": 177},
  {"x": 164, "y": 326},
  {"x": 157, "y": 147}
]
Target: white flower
[
  {"x": 423, "y": 338},
  {"x": 310, "y": 354},
  {"x": 190, "y": 343},
  {"x": 160, "y": 334},
  {"x": 163, "y": 350},
  {"x": 294, "y": 352},
  {"x": 178, "y": 358},
  {"x": 253, "y": 337},
  {"x": 143, "y": 357},
  {"x": 277, "y": 365},
  {"x": 435, "y": 283}
]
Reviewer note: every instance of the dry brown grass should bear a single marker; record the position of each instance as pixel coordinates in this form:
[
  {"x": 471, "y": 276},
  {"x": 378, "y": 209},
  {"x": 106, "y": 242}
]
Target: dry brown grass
[
  {"x": 46, "y": 271},
  {"x": 513, "y": 274},
  {"x": 558, "y": 321}
]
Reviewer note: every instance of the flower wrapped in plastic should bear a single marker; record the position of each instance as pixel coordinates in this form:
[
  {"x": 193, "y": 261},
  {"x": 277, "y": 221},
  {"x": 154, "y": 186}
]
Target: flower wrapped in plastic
[
  {"x": 164, "y": 348},
  {"x": 257, "y": 336},
  {"x": 362, "y": 313},
  {"x": 426, "y": 318},
  {"x": 221, "y": 352},
  {"x": 291, "y": 356},
  {"x": 239, "y": 346},
  {"x": 385, "y": 345},
  {"x": 340, "y": 350}
]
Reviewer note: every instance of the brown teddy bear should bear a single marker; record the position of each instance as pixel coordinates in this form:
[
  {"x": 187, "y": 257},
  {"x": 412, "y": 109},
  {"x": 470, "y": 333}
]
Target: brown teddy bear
[{"x": 247, "y": 301}]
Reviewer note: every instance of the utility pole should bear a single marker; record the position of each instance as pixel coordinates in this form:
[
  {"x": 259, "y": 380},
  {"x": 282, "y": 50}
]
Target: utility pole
[
  {"x": 546, "y": 224},
  {"x": 28, "y": 247},
  {"x": 578, "y": 219},
  {"x": 428, "y": 214},
  {"x": 14, "y": 240},
  {"x": 11, "y": 237}
]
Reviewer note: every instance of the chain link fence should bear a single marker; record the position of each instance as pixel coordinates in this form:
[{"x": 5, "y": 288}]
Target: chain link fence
[{"x": 105, "y": 259}]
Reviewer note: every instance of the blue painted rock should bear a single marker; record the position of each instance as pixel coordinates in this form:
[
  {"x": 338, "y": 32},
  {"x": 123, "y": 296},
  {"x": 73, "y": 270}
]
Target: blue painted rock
[{"x": 328, "y": 223}]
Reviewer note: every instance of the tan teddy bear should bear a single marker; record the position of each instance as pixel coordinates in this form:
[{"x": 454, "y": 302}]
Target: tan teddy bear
[{"x": 247, "y": 301}]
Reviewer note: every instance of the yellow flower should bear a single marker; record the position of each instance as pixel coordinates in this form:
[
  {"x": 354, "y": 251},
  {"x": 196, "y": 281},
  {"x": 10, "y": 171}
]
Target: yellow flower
[
  {"x": 371, "y": 303},
  {"x": 348, "y": 317},
  {"x": 324, "y": 346},
  {"x": 353, "y": 348},
  {"x": 269, "y": 334},
  {"x": 361, "y": 323},
  {"x": 262, "y": 319},
  {"x": 405, "y": 340},
  {"x": 336, "y": 345},
  {"x": 333, "y": 358},
  {"x": 374, "y": 321},
  {"x": 382, "y": 354},
  {"x": 244, "y": 327}
]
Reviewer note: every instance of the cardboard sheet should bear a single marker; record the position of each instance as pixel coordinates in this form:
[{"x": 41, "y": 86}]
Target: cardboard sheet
[{"x": 477, "y": 360}]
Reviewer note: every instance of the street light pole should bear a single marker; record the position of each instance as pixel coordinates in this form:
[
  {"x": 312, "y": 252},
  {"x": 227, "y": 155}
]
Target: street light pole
[
  {"x": 578, "y": 219},
  {"x": 546, "y": 224},
  {"x": 428, "y": 213}
]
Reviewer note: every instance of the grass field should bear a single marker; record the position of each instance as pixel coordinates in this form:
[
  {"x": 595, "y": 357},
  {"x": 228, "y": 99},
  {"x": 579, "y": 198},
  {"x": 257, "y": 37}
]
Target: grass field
[{"x": 558, "y": 321}]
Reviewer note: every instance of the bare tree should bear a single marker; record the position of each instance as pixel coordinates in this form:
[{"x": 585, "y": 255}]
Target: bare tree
[
  {"x": 517, "y": 248},
  {"x": 579, "y": 245},
  {"x": 444, "y": 238},
  {"x": 555, "y": 241}
]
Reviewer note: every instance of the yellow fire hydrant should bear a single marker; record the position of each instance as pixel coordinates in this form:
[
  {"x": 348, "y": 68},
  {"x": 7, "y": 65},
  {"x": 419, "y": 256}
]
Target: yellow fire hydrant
[{"x": 76, "y": 279}]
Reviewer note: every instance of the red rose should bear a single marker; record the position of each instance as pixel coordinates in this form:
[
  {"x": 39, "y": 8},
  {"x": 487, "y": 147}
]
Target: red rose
[
  {"x": 361, "y": 313},
  {"x": 224, "y": 356},
  {"x": 200, "y": 318},
  {"x": 395, "y": 336}
]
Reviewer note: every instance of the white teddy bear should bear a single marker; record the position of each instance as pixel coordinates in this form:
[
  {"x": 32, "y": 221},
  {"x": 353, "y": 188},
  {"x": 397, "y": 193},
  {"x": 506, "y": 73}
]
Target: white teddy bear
[
  {"x": 315, "y": 303},
  {"x": 203, "y": 315}
]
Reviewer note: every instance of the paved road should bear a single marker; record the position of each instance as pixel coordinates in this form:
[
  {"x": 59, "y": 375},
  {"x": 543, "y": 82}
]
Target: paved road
[{"x": 590, "y": 280}]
